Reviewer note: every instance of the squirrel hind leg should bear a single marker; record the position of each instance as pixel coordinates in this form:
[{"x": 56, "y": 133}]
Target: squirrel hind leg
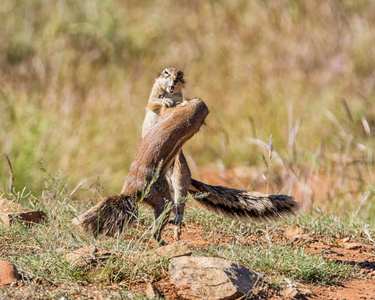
[
  {"x": 161, "y": 217},
  {"x": 161, "y": 202},
  {"x": 181, "y": 178}
]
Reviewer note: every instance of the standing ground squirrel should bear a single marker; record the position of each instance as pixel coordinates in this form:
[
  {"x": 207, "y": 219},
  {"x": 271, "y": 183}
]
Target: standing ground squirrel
[
  {"x": 167, "y": 93},
  {"x": 157, "y": 151}
]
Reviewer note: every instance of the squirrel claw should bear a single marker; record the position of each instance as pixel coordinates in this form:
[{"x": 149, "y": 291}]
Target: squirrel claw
[{"x": 168, "y": 103}]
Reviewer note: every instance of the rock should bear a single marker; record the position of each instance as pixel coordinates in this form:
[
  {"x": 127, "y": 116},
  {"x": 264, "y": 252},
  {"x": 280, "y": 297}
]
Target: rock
[
  {"x": 87, "y": 255},
  {"x": 295, "y": 232},
  {"x": 305, "y": 292},
  {"x": 291, "y": 292},
  {"x": 297, "y": 293},
  {"x": 364, "y": 271},
  {"x": 179, "y": 248},
  {"x": 210, "y": 278},
  {"x": 152, "y": 292},
  {"x": 11, "y": 211},
  {"x": 352, "y": 246},
  {"x": 8, "y": 273}
]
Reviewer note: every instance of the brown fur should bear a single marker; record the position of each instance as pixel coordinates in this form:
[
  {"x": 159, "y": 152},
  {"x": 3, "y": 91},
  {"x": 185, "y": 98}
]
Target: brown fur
[{"x": 159, "y": 147}]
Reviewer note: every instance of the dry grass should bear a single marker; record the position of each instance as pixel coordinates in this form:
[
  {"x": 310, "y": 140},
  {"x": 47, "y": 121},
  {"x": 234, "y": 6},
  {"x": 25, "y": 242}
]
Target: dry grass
[
  {"x": 39, "y": 251},
  {"x": 76, "y": 75}
]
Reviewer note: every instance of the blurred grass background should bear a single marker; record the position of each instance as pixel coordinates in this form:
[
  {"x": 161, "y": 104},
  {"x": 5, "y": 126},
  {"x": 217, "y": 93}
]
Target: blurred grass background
[{"x": 75, "y": 78}]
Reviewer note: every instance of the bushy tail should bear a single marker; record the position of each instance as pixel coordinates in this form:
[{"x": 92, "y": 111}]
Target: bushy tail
[
  {"x": 244, "y": 205},
  {"x": 109, "y": 216}
]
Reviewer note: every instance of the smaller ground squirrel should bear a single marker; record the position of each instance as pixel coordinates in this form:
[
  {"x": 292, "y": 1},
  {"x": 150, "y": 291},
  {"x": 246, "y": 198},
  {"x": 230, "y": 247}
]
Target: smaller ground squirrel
[{"x": 167, "y": 93}]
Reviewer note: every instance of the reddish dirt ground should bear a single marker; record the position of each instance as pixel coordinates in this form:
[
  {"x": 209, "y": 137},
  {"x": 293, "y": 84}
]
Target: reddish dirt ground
[{"x": 361, "y": 287}]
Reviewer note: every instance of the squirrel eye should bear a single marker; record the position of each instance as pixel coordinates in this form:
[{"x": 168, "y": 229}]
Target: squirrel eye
[{"x": 166, "y": 72}]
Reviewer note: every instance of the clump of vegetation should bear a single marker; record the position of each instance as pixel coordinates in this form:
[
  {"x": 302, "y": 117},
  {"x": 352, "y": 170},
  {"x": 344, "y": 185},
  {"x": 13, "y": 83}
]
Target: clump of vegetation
[{"x": 284, "y": 262}]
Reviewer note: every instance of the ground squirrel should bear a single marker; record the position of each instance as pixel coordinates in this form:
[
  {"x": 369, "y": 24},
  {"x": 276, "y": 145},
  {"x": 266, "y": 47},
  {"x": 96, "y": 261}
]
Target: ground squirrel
[
  {"x": 158, "y": 148},
  {"x": 167, "y": 93}
]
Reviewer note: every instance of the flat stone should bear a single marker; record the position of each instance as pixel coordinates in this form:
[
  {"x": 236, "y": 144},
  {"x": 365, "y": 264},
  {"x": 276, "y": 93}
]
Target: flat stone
[
  {"x": 353, "y": 246},
  {"x": 11, "y": 212},
  {"x": 87, "y": 255},
  {"x": 152, "y": 292},
  {"x": 305, "y": 292},
  {"x": 8, "y": 273},
  {"x": 297, "y": 293},
  {"x": 179, "y": 248},
  {"x": 210, "y": 278},
  {"x": 292, "y": 293},
  {"x": 295, "y": 232},
  {"x": 364, "y": 271}
]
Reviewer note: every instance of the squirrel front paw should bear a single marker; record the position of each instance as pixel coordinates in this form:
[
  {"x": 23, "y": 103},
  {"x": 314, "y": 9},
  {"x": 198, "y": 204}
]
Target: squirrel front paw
[{"x": 168, "y": 103}]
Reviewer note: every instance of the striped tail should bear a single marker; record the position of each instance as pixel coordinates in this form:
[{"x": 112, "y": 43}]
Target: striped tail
[{"x": 244, "y": 205}]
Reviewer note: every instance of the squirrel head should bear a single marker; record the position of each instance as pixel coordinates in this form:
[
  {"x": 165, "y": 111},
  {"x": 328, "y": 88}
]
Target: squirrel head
[{"x": 171, "y": 81}]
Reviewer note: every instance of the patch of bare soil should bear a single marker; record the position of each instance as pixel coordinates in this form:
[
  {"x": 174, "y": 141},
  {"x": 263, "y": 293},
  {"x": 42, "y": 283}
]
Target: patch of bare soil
[
  {"x": 351, "y": 290},
  {"x": 340, "y": 251},
  {"x": 353, "y": 254},
  {"x": 362, "y": 287}
]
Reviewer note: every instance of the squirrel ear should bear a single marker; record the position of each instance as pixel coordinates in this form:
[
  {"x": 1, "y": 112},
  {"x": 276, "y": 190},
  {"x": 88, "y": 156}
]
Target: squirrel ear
[{"x": 180, "y": 74}]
